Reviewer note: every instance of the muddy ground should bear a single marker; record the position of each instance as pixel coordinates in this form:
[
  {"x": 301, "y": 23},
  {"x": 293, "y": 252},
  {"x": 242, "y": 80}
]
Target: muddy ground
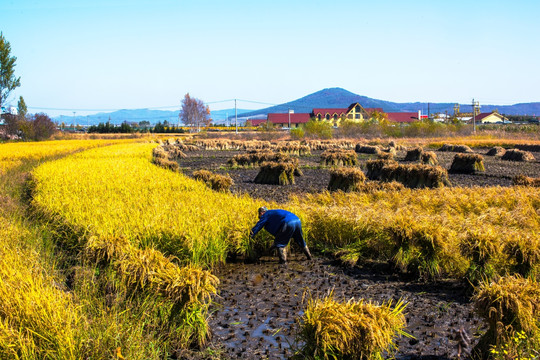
[
  {"x": 316, "y": 178},
  {"x": 255, "y": 314}
]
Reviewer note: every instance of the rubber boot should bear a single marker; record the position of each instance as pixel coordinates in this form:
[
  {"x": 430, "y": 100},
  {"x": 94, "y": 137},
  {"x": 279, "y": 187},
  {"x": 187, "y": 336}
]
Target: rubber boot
[
  {"x": 282, "y": 255},
  {"x": 306, "y": 252}
]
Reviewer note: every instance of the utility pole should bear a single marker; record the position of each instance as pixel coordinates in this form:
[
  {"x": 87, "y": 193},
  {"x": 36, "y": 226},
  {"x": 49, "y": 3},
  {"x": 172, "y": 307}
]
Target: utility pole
[
  {"x": 428, "y": 111},
  {"x": 235, "y": 116},
  {"x": 475, "y": 105},
  {"x": 289, "y": 112}
]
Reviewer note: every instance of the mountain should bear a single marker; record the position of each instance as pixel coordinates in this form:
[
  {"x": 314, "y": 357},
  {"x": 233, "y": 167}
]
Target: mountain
[
  {"x": 138, "y": 115},
  {"x": 326, "y": 98},
  {"x": 341, "y": 98}
]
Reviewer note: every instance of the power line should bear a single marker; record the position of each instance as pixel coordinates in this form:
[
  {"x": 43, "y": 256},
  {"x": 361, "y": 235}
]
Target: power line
[{"x": 149, "y": 108}]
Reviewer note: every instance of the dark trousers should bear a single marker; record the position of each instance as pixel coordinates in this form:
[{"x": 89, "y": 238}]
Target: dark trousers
[{"x": 291, "y": 229}]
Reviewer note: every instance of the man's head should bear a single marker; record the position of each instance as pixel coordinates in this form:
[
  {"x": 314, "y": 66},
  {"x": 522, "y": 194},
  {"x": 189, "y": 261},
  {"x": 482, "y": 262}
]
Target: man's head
[{"x": 262, "y": 210}]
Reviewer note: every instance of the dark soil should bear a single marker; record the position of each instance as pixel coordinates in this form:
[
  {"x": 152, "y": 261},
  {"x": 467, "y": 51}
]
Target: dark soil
[
  {"x": 316, "y": 177},
  {"x": 255, "y": 315}
]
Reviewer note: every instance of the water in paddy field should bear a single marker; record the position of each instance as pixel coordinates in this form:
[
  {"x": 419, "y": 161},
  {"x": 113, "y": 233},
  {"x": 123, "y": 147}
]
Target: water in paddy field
[{"x": 259, "y": 306}]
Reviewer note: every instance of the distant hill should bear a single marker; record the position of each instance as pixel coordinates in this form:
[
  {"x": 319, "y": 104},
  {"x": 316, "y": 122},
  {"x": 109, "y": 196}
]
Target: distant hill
[
  {"x": 326, "y": 98},
  {"x": 341, "y": 98},
  {"x": 138, "y": 115}
]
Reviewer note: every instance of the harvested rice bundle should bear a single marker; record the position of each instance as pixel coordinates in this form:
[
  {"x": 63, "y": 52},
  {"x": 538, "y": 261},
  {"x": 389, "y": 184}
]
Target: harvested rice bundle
[
  {"x": 216, "y": 182},
  {"x": 254, "y": 145},
  {"x": 256, "y": 157},
  {"x": 346, "y": 179},
  {"x": 221, "y": 183},
  {"x": 429, "y": 158},
  {"x": 374, "y": 168},
  {"x": 523, "y": 180},
  {"x": 383, "y": 155},
  {"x": 147, "y": 272},
  {"x": 159, "y": 152},
  {"x": 166, "y": 163},
  {"x": 366, "y": 149},
  {"x": 467, "y": 164},
  {"x": 275, "y": 173},
  {"x": 175, "y": 153},
  {"x": 414, "y": 154},
  {"x": 509, "y": 305},
  {"x": 293, "y": 149},
  {"x": 186, "y": 147},
  {"x": 396, "y": 146},
  {"x": 352, "y": 330},
  {"x": 203, "y": 175},
  {"x": 339, "y": 158},
  {"x": 518, "y": 155},
  {"x": 416, "y": 175},
  {"x": 496, "y": 151},
  {"x": 456, "y": 148}
]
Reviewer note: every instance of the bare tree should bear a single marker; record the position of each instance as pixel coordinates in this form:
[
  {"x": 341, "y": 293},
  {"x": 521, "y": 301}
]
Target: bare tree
[
  {"x": 194, "y": 113},
  {"x": 43, "y": 127}
]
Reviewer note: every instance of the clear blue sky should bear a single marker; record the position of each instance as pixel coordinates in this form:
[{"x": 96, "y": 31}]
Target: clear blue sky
[{"x": 106, "y": 54}]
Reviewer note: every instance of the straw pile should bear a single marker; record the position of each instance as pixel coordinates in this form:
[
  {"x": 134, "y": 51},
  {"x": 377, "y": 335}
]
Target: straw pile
[
  {"x": 467, "y": 164},
  {"x": 277, "y": 173},
  {"x": 386, "y": 155},
  {"x": 165, "y": 163},
  {"x": 216, "y": 182},
  {"x": 416, "y": 175},
  {"x": 367, "y": 149},
  {"x": 346, "y": 179},
  {"x": 352, "y": 330},
  {"x": 257, "y": 157},
  {"x": 414, "y": 154},
  {"x": 429, "y": 158},
  {"x": 456, "y": 148},
  {"x": 293, "y": 149},
  {"x": 374, "y": 168},
  {"x": 517, "y": 155},
  {"x": 396, "y": 146},
  {"x": 522, "y": 180},
  {"x": 166, "y": 156},
  {"x": 496, "y": 151},
  {"x": 174, "y": 153},
  {"x": 339, "y": 158},
  {"x": 186, "y": 147}
]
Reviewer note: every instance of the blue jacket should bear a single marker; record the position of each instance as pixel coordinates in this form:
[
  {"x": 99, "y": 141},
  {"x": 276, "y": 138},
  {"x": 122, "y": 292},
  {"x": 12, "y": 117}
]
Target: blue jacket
[{"x": 273, "y": 220}]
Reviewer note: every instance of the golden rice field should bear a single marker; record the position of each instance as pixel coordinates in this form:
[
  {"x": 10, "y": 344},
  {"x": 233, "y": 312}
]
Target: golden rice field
[
  {"x": 117, "y": 191},
  {"x": 444, "y": 231},
  {"x": 141, "y": 235},
  {"x": 13, "y": 154}
]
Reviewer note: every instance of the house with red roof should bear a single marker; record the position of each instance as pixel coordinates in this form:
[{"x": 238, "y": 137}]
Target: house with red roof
[
  {"x": 354, "y": 112},
  {"x": 402, "y": 117},
  {"x": 284, "y": 119},
  {"x": 490, "y": 118}
]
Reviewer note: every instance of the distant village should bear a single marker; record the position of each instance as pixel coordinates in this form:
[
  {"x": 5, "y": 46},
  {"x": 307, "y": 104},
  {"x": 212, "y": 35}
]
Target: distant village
[{"x": 355, "y": 112}]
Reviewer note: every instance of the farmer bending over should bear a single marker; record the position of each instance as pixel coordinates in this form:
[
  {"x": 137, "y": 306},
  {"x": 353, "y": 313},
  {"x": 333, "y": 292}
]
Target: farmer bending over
[{"x": 284, "y": 225}]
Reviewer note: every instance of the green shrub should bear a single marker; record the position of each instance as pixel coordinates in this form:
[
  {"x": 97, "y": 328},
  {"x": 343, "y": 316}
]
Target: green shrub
[{"x": 318, "y": 129}]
